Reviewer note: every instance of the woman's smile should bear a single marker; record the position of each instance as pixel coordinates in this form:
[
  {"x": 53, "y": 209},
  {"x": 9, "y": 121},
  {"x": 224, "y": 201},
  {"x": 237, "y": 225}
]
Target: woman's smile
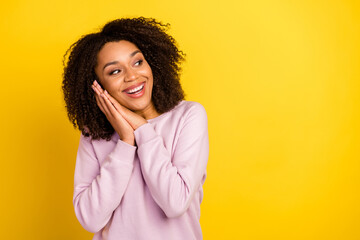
[{"x": 135, "y": 91}]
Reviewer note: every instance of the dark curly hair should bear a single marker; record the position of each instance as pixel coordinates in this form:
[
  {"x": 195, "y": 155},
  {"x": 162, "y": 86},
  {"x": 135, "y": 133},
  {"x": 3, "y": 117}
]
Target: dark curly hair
[{"x": 159, "y": 50}]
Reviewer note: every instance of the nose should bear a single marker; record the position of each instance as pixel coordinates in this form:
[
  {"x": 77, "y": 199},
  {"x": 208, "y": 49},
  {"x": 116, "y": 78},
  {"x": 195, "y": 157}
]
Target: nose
[{"x": 131, "y": 75}]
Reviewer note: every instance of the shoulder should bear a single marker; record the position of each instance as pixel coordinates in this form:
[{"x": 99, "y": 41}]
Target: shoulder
[
  {"x": 192, "y": 113},
  {"x": 185, "y": 114},
  {"x": 182, "y": 111},
  {"x": 186, "y": 108}
]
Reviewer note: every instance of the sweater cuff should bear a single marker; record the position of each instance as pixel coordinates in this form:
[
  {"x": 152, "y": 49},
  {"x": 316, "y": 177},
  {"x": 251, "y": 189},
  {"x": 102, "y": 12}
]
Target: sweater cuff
[
  {"x": 123, "y": 152},
  {"x": 144, "y": 134}
]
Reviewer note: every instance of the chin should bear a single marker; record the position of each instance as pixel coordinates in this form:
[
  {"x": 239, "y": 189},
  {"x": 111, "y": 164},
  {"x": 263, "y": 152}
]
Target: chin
[{"x": 137, "y": 106}]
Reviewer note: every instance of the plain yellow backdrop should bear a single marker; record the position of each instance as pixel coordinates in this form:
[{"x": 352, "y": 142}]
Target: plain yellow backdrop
[{"x": 280, "y": 81}]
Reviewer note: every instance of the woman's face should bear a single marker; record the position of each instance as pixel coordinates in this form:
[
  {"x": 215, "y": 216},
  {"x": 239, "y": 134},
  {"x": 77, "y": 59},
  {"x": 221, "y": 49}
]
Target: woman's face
[{"x": 125, "y": 74}]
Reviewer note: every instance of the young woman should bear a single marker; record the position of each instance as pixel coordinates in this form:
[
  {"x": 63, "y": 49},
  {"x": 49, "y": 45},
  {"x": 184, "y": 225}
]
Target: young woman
[{"x": 143, "y": 151}]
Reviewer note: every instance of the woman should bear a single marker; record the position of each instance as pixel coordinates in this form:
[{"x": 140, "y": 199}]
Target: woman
[{"x": 142, "y": 156}]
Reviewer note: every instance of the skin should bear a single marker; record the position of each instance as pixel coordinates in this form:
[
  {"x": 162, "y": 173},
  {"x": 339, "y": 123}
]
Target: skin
[{"x": 121, "y": 65}]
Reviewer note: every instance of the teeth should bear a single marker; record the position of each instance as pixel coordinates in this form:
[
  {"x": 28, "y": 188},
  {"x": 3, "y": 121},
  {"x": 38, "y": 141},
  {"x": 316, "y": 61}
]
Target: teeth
[{"x": 136, "y": 89}]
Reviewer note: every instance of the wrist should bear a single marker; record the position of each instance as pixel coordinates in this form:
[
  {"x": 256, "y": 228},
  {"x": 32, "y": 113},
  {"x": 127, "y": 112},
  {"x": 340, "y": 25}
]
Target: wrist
[
  {"x": 139, "y": 124},
  {"x": 129, "y": 141}
]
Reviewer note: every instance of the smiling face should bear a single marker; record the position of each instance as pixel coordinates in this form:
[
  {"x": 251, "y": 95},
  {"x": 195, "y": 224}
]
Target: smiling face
[{"x": 125, "y": 74}]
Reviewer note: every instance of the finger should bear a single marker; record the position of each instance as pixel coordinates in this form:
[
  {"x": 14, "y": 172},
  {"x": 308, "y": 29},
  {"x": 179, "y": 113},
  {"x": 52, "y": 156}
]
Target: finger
[
  {"x": 96, "y": 89},
  {"x": 97, "y": 97},
  {"x": 114, "y": 112},
  {"x": 112, "y": 100},
  {"x": 132, "y": 118},
  {"x": 115, "y": 103},
  {"x": 105, "y": 106},
  {"x": 97, "y": 86},
  {"x": 112, "y": 106},
  {"x": 99, "y": 104}
]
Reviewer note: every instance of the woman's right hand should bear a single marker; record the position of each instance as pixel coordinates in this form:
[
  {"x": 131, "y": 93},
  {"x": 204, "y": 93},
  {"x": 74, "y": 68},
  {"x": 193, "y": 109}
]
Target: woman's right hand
[{"x": 118, "y": 122}]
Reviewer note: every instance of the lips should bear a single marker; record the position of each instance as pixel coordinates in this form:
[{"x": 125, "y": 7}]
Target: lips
[
  {"x": 134, "y": 88},
  {"x": 135, "y": 91}
]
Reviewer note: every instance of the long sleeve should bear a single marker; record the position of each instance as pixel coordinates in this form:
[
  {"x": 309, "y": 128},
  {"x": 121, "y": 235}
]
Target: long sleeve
[
  {"x": 173, "y": 176},
  {"x": 98, "y": 190}
]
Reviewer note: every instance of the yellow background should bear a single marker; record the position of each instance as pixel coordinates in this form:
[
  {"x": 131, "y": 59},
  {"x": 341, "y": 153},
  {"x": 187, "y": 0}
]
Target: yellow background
[{"x": 280, "y": 81}]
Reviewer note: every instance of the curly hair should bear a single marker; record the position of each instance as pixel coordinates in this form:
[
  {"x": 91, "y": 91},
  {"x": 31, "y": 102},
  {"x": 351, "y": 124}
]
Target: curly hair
[{"x": 159, "y": 50}]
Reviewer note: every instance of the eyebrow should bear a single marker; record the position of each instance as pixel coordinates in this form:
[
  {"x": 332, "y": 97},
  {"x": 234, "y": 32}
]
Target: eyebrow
[{"x": 114, "y": 62}]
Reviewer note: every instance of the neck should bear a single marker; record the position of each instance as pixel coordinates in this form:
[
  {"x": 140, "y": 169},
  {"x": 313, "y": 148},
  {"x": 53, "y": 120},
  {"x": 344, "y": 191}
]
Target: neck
[{"x": 149, "y": 112}]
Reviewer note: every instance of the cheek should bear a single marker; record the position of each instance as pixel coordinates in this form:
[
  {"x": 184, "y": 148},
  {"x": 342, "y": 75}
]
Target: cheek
[
  {"x": 150, "y": 84},
  {"x": 146, "y": 71},
  {"x": 112, "y": 86}
]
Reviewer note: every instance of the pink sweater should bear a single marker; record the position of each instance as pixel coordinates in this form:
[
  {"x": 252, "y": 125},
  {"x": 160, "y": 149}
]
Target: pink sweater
[{"x": 150, "y": 191}]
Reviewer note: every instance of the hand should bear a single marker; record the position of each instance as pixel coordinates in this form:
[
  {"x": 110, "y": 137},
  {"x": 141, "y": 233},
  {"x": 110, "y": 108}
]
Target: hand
[
  {"x": 132, "y": 118},
  {"x": 119, "y": 123}
]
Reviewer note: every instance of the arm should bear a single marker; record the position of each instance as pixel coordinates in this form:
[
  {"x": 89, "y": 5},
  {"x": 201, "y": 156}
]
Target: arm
[
  {"x": 98, "y": 190},
  {"x": 173, "y": 180}
]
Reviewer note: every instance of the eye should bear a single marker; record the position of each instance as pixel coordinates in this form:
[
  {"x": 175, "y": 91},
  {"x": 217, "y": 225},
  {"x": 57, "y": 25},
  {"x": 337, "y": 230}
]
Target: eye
[
  {"x": 114, "y": 72},
  {"x": 138, "y": 63}
]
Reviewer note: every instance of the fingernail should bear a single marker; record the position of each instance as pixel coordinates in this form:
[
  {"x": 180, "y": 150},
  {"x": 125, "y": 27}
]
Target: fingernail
[{"x": 105, "y": 92}]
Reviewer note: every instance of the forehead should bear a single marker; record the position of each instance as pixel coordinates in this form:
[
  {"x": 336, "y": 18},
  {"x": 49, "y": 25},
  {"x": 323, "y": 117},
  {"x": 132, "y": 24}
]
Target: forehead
[{"x": 120, "y": 50}]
